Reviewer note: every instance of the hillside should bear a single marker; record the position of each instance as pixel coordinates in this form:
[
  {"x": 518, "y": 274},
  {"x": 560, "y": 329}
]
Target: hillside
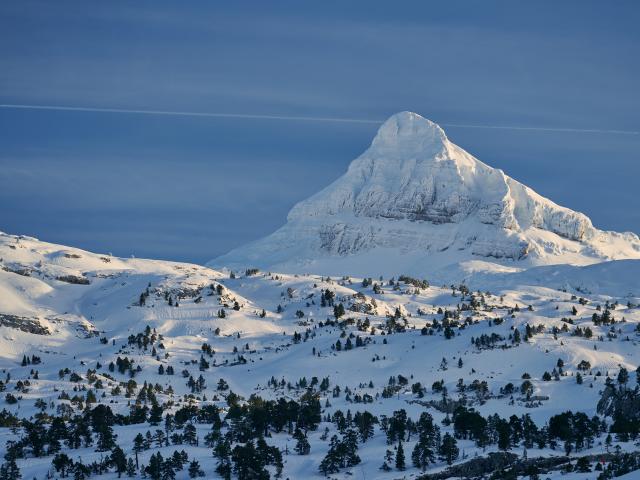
[{"x": 376, "y": 362}]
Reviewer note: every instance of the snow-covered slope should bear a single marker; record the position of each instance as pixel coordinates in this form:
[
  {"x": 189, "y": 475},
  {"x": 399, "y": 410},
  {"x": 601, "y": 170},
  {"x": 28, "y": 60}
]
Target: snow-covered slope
[
  {"x": 73, "y": 314},
  {"x": 416, "y": 203}
]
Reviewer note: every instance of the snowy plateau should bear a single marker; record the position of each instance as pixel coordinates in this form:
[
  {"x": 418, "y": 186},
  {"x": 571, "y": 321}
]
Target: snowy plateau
[{"x": 423, "y": 317}]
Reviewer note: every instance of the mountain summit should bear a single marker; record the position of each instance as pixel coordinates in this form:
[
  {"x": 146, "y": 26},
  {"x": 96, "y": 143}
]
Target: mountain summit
[{"x": 416, "y": 202}]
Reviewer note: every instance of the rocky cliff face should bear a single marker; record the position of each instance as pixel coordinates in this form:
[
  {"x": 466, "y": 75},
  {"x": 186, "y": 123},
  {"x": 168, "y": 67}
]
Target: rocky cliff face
[
  {"x": 414, "y": 193},
  {"x": 412, "y": 172}
]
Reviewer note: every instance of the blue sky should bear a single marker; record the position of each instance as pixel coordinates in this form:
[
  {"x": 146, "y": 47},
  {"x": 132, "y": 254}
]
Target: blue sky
[{"x": 192, "y": 188}]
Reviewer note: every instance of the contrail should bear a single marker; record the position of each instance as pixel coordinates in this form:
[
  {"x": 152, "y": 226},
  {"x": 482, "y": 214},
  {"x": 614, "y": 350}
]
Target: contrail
[
  {"x": 192, "y": 114},
  {"x": 543, "y": 129},
  {"x": 255, "y": 116}
]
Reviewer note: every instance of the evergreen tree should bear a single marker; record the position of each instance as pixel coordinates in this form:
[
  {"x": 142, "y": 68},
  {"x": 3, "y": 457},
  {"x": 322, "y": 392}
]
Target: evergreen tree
[
  {"x": 138, "y": 446},
  {"x": 270, "y": 455},
  {"x": 61, "y": 462},
  {"x": 119, "y": 460},
  {"x": 516, "y": 336},
  {"x": 623, "y": 376},
  {"x": 302, "y": 443},
  {"x": 154, "y": 469},
  {"x": 503, "y": 430},
  {"x": 331, "y": 462},
  {"x": 309, "y": 413},
  {"x": 400, "y": 462},
  {"x": 195, "y": 470},
  {"x": 397, "y": 426},
  {"x": 349, "y": 448},
  {"x": 222, "y": 451},
  {"x": 190, "y": 434},
  {"x": 9, "y": 470},
  {"x": 155, "y": 414},
  {"x": 106, "y": 438},
  {"x": 248, "y": 463},
  {"x": 81, "y": 471},
  {"x": 583, "y": 465},
  {"x": 424, "y": 452},
  {"x": 448, "y": 449},
  {"x": 131, "y": 468},
  {"x": 364, "y": 422},
  {"x": 168, "y": 467},
  {"x": 342, "y": 453}
]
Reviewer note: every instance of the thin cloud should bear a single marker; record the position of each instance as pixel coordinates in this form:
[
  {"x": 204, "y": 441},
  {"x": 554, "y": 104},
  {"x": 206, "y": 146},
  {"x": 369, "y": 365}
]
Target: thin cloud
[
  {"x": 193, "y": 114},
  {"x": 253, "y": 116}
]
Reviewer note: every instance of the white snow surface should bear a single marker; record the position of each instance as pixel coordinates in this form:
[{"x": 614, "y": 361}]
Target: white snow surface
[
  {"x": 417, "y": 203},
  {"x": 77, "y": 314}
]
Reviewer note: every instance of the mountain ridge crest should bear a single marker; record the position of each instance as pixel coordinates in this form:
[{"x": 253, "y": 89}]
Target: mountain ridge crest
[{"x": 416, "y": 192}]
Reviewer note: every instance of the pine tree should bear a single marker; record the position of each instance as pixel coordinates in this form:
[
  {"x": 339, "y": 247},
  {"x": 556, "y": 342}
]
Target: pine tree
[
  {"x": 364, "y": 422},
  {"x": 131, "y": 468},
  {"x": 428, "y": 439},
  {"x": 623, "y": 376},
  {"x": 400, "y": 462},
  {"x": 168, "y": 471},
  {"x": 81, "y": 471},
  {"x": 154, "y": 469},
  {"x": 331, "y": 462},
  {"x": 222, "y": 451},
  {"x": 449, "y": 449},
  {"x": 516, "y": 336},
  {"x": 61, "y": 462},
  {"x": 159, "y": 438},
  {"x": 190, "y": 434},
  {"x": 302, "y": 443},
  {"x": 195, "y": 470},
  {"x": 106, "y": 438},
  {"x": 119, "y": 460},
  {"x": 9, "y": 470},
  {"x": 138, "y": 446},
  {"x": 155, "y": 415},
  {"x": 349, "y": 448},
  {"x": 249, "y": 463}
]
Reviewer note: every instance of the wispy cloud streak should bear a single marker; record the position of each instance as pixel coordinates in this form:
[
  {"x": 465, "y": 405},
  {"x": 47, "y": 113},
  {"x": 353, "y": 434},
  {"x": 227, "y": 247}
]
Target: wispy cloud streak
[{"x": 295, "y": 118}]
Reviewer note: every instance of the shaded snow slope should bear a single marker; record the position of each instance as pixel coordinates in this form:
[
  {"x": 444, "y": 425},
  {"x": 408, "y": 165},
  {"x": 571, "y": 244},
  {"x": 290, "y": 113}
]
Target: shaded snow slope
[
  {"x": 619, "y": 278},
  {"x": 415, "y": 198}
]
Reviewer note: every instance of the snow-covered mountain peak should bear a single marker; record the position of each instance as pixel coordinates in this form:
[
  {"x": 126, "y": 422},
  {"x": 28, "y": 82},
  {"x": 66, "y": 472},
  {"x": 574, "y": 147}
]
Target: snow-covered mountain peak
[
  {"x": 427, "y": 204},
  {"x": 409, "y": 133}
]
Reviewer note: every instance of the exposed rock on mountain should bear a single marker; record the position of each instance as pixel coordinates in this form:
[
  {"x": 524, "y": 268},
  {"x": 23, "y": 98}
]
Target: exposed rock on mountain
[{"x": 422, "y": 203}]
